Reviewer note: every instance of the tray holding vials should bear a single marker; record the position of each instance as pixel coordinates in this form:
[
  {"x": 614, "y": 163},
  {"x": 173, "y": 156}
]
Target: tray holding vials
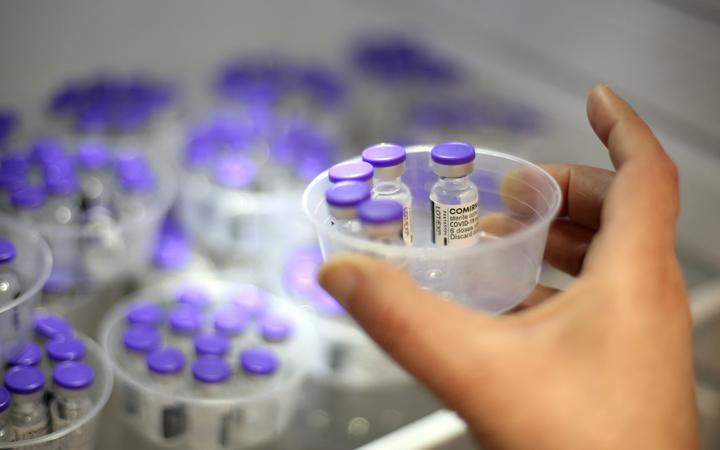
[
  {"x": 467, "y": 223},
  {"x": 205, "y": 363}
]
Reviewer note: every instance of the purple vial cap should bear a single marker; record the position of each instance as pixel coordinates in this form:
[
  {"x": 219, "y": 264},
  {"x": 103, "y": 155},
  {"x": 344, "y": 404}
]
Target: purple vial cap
[
  {"x": 384, "y": 155},
  {"x": 214, "y": 344},
  {"x": 193, "y": 295},
  {"x": 231, "y": 320},
  {"x": 347, "y": 194},
  {"x": 275, "y": 328},
  {"x": 235, "y": 171},
  {"x": 199, "y": 152},
  {"x": 63, "y": 186},
  {"x": 166, "y": 361},
  {"x": 24, "y": 380},
  {"x": 24, "y": 354},
  {"x": 7, "y": 251},
  {"x": 11, "y": 181},
  {"x": 259, "y": 361},
  {"x": 211, "y": 369},
  {"x": 50, "y": 326},
  {"x": 5, "y": 399},
  {"x": 145, "y": 313},
  {"x": 380, "y": 212},
  {"x": 65, "y": 349},
  {"x": 15, "y": 163},
  {"x": 141, "y": 339},
  {"x": 28, "y": 197},
  {"x": 171, "y": 253},
  {"x": 93, "y": 155},
  {"x": 184, "y": 319},
  {"x": 350, "y": 171},
  {"x": 138, "y": 182},
  {"x": 47, "y": 149},
  {"x": 253, "y": 301},
  {"x": 453, "y": 153},
  {"x": 73, "y": 375}
]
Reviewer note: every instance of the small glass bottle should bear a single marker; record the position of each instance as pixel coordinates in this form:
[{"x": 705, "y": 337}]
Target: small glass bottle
[
  {"x": 343, "y": 200},
  {"x": 231, "y": 321},
  {"x": 275, "y": 328},
  {"x": 137, "y": 183},
  {"x": 48, "y": 326},
  {"x": 10, "y": 287},
  {"x": 28, "y": 414},
  {"x": 382, "y": 220},
  {"x": 73, "y": 400},
  {"x": 211, "y": 376},
  {"x": 169, "y": 418},
  {"x": 23, "y": 354},
  {"x": 454, "y": 198},
  {"x": 211, "y": 344},
  {"x": 138, "y": 341},
  {"x": 389, "y": 163},
  {"x": 359, "y": 171},
  {"x": 184, "y": 323},
  {"x": 237, "y": 175},
  {"x": 63, "y": 199},
  {"x": 94, "y": 160},
  {"x": 6, "y": 431},
  {"x": 28, "y": 201},
  {"x": 60, "y": 350}
]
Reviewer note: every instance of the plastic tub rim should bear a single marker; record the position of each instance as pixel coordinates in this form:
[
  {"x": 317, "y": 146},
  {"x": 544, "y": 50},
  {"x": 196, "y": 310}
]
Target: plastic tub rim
[
  {"x": 355, "y": 242},
  {"x": 36, "y": 238},
  {"x": 94, "y": 413}
]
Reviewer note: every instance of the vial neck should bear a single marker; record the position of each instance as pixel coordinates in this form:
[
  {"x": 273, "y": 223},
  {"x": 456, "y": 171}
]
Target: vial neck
[
  {"x": 455, "y": 183},
  {"x": 387, "y": 185}
]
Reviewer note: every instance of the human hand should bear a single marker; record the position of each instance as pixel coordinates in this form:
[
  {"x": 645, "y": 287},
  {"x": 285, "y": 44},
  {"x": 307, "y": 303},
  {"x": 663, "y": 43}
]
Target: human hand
[{"x": 606, "y": 363}]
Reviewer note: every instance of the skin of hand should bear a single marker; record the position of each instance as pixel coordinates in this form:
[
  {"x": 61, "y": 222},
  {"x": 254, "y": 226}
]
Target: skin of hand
[{"x": 606, "y": 364}]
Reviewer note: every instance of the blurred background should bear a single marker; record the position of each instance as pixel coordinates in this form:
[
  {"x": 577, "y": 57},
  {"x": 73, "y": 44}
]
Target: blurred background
[{"x": 199, "y": 92}]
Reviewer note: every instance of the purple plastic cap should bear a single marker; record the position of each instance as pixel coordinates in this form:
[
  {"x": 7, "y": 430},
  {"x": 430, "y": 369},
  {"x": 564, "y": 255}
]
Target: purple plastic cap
[
  {"x": 211, "y": 369},
  {"x": 141, "y": 339},
  {"x": 380, "y": 212},
  {"x": 50, "y": 326},
  {"x": 5, "y": 399},
  {"x": 453, "y": 153},
  {"x": 24, "y": 380},
  {"x": 166, "y": 361},
  {"x": 73, "y": 375},
  {"x": 259, "y": 361},
  {"x": 7, "y": 251},
  {"x": 347, "y": 194},
  {"x": 62, "y": 187},
  {"x": 213, "y": 344},
  {"x": 11, "y": 181},
  {"x": 15, "y": 163},
  {"x": 352, "y": 171},
  {"x": 65, "y": 349},
  {"x": 184, "y": 320},
  {"x": 199, "y": 152},
  {"x": 47, "y": 149},
  {"x": 28, "y": 197},
  {"x": 193, "y": 295},
  {"x": 235, "y": 171},
  {"x": 253, "y": 301},
  {"x": 231, "y": 320},
  {"x": 24, "y": 354},
  {"x": 275, "y": 328},
  {"x": 145, "y": 313},
  {"x": 384, "y": 155},
  {"x": 93, "y": 155},
  {"x": 142, "y": 181}
]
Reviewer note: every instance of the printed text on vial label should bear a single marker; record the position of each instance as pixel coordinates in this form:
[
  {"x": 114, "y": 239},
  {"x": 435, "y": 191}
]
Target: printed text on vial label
[{"x": 455, "y": 225}]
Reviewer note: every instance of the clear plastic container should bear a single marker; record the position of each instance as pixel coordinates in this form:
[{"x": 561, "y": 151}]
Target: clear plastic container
[
  {"x": 240, "y": 412},
  {"x": 518, "y": 201},
  {"x": 84, "y": 430},
  {"x": 32, "y": 264}
]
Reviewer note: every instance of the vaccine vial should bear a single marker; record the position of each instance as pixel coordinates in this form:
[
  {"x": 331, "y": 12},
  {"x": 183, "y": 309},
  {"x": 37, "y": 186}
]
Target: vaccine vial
[
  {"x": 275, "y": 328},
  {"x": 23, "y": 354},
  {"x": 359, "y": 171},
  {"x": 237, "y": 174},
  {"x": 211, "y": 344},
  {"x": 6, "y": 431},
  {"x": 48, "y": 326},
  {"x": 454, "y": 198},
  {"x": 231, "y": 321},
  {"x": 73, "y": 381},
  {"x": 145, "y": 313},
  {"x": 10, "y": 287},
  {"x": 64, "y": 349},
  {"x": 138, "y": 341},
  {"x": 28, "y": 202},
  {"x": 28, "y": 414},
  {"x": 388, "y": 161},
  {"x": 136, "y": 180},
  {"x": 94, "y": 160},
  {"x": 382, "y": 220},
  {"x": 63, "y": 203},
  {"x": 208, "y": 427},
  {"x": 184, "y": 323},
  {"x": 343, "y": 200},
  {"x": 169, "y": 418}
]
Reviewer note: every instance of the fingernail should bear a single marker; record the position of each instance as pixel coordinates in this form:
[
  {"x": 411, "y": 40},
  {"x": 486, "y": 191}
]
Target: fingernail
[{"x": 340, "y": 279}]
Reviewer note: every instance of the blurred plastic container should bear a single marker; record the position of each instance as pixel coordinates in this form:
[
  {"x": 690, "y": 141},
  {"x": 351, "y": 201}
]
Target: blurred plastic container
[
  {"x": 32, "y": 265},
  {"x": 243, "y": 399},
  {"x": 83, "y": 432},
  {"x": 518, "y": 200}
]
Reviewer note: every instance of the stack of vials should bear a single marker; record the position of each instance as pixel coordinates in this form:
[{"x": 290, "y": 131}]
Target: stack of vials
[
  {"x": 47, "y": 385},
  {"x": 369, "y": 199}
]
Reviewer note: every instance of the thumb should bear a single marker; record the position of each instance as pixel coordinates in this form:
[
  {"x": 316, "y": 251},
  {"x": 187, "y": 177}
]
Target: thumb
[{"x": 433, "y": 339}]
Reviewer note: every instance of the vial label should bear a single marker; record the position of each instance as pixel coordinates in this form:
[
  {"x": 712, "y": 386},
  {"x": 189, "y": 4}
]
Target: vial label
[
  {"x": 32, "y": 431},
  {"x": 407, "y": 231},
  {"x": 174, "y": 421},
  {"x": 455, "y": 225}
]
